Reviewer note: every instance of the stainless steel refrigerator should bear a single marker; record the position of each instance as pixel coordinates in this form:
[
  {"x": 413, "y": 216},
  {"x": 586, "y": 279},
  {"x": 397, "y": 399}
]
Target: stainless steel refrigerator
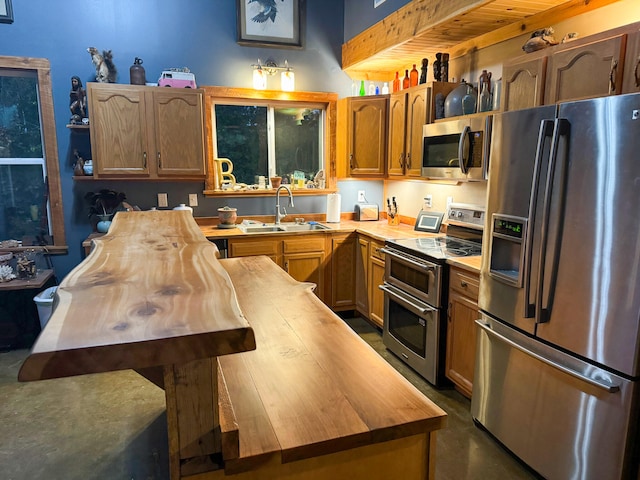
[{"x": 558, "y": 359}]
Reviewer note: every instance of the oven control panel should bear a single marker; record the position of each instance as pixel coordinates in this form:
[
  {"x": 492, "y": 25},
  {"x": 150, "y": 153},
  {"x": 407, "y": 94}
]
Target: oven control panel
[{"x": 466, "y": 215}]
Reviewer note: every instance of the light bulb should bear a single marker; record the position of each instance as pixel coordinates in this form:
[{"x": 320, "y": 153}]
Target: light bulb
[{"x": 287, "y": 81}]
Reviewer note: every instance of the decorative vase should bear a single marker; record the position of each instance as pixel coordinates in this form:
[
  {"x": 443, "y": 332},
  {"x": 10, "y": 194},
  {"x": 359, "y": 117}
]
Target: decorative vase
[
  {"x": 275, "y": 182},
  {"x": 469, "y": 101},
  {"x": 104, "y": 222},
  {"x": 227, "y": 215}
]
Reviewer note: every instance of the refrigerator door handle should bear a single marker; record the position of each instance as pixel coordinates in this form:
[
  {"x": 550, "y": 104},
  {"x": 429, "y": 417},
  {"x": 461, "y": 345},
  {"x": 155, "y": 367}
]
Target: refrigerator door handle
[
  {"x": 610, "y": 388},
  {"x": 546, "y": 131},
  {"x": 462, "y": 161},
  {"x": 561, "y": 128}
]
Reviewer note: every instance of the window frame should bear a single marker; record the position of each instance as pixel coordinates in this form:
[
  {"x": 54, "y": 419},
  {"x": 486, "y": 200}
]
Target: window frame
[
  {"x": 221, "y": 95},
  {"x": 42, "y": 69}
]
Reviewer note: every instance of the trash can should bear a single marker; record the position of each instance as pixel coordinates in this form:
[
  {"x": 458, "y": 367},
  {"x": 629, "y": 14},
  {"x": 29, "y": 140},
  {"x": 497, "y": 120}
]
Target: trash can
[{"x": 44, "y": 302}]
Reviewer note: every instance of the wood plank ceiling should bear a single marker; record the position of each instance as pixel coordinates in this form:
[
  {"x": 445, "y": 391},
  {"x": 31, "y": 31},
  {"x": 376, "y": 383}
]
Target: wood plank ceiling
[{"x": 423, "y": 27}]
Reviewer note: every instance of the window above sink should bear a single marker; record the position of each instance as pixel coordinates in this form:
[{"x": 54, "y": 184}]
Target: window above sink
[{"x": 269, "y": 145}]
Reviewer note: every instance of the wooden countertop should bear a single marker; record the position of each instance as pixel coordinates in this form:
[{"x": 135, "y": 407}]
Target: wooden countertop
[
  {"x": 379, "y": 230},
  {"x": 471, "y": 264},
  {"x": 151, "y": 293},
  {"x": 312, "y": 386}
]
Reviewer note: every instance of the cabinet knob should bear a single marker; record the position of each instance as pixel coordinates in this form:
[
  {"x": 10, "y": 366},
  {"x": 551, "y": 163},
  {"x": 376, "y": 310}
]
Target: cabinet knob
[
  {"x": 408, "y": 160},
  {"x": 635, "y": 72},
  {"x": 144, "y": 159},
  {"x": 351, "y": 161},
  {"x": 463, "y": 284},
  {"x": 159, "y": 161}
]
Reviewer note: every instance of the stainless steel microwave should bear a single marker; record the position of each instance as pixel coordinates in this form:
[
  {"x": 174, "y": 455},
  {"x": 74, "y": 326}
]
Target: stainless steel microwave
[{"x": 457, "y": 149}]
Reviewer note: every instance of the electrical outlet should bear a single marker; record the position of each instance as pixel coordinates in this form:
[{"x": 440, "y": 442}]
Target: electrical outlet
[
  {"x": 193, "y": 199},
  {"x": 163, "y": 201},
  {"x": 361, "y": 198},
  {"x": 428, "y": 201},
  {"x": 449, "y": 202}
]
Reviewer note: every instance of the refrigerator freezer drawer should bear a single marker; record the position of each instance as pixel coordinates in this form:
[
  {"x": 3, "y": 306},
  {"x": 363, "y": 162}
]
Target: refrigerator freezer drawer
[{"x": 562, "y": 416}]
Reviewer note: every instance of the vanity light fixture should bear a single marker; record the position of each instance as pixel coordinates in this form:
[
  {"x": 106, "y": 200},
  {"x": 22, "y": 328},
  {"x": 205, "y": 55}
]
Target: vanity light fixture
[{"x": 270, "y": 68}]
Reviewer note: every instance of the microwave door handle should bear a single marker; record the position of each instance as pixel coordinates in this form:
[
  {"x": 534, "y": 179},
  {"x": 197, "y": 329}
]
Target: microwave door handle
[
  {"x": 560, "y": 129},
  {"x": 545, "y": 132},
  {"x": 462, "y": 161}
]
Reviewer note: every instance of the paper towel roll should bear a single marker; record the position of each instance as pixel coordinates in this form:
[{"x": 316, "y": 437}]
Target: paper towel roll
[{"x": 333, "y": 208}]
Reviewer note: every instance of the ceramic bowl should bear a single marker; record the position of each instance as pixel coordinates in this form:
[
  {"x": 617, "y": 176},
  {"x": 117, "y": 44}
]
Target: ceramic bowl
[{"x": 227, "y": 215}]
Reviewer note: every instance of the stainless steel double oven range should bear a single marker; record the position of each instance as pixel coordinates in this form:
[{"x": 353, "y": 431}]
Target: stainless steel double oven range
[{"x": 416, "y": 286}]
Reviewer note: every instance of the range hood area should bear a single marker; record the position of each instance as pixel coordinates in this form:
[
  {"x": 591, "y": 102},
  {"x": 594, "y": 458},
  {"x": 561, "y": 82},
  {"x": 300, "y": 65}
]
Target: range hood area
[{"x": 424, "y": 27}]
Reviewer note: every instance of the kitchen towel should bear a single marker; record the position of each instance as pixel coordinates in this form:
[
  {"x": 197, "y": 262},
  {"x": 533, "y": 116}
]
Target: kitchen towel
[{"x": 333, "y": 208}]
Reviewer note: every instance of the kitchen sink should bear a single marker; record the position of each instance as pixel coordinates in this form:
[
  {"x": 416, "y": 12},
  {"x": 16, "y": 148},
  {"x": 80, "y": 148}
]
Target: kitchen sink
[
  {"x": 282, "y": 228},
  {"x": 305, "y": 227},
  {"x": 260, "y": 229}
]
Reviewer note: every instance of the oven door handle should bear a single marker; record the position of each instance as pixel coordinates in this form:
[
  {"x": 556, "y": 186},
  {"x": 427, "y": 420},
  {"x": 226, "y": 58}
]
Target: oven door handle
[
  {"x": 423, "y": 309},
  {"x": 407, "y": 260}
]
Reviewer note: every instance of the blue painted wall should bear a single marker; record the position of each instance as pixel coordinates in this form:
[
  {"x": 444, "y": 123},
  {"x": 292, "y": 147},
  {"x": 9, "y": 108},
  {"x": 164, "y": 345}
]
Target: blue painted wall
[
  {"x": 360, "y": 14},
  {"x": 199, "y": 34}
]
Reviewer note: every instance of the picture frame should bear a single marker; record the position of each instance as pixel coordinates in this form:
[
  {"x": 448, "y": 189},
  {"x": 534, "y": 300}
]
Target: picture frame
[
  {"x": 270, "y": 23},
  {"x": 6, "y": 11}
]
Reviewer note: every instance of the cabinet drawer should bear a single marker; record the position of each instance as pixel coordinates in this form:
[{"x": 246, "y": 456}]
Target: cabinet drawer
[
  {"x": 374, "y": 250},
  {"x": 465, "y": 283},
  {"x": 305, "y": 243},
  {"x": 255, "y": 247}
]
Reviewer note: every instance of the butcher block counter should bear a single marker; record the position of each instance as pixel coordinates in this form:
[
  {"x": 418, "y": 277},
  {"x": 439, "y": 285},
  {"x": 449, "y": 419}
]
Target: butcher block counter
[{"x": 311, "y": 401}]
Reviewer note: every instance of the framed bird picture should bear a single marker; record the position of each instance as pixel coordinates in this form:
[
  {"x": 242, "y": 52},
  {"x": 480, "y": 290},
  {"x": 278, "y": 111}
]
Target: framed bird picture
[
  {"x": 270, "y": 23},
  {"x": 6, "y": 12}
]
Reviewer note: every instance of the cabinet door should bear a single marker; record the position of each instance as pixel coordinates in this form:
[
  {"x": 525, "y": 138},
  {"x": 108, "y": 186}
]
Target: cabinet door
[
  {"x": 461, "y": 329},
  {"x": 367, "y": 132},
  {"x": 523, "y": 84},
  {"x": 179, "y": 137},
  {"x": 631, "y": 80},
  {"x": 376, "y": 278},
  {"x": 362, "y": 276},
  {"x": 303, "y": 258},
  {"x": 417, "y": 103},
  {"x": 118, "y": 130},
  {"x": 248, "y": 247},
  {"x": 397, "y": 121},
  {"x": 343, "y": 272},
  {"x": 586, "y": 71}
]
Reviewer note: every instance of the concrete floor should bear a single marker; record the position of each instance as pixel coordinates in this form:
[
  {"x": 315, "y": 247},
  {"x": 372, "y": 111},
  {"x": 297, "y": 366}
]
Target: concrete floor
[{"x": 113, "y": 426}]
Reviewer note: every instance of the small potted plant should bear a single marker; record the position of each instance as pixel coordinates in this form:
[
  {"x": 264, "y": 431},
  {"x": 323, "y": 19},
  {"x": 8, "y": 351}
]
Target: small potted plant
[{"x": 103, "y": 206}]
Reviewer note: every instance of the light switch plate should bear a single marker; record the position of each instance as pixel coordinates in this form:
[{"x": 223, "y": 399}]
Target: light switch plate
[
  {"x": 163, "y": 201},
  {"x": 193, "y": 199}
]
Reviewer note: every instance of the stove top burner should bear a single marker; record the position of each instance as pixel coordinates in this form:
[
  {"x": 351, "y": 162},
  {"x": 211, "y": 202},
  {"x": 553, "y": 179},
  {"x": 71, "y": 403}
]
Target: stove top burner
[{"x": 440, "y": 247}]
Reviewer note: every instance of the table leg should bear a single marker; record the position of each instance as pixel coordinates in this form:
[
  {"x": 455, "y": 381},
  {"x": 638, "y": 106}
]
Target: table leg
[{"x": 191, "y": 391}]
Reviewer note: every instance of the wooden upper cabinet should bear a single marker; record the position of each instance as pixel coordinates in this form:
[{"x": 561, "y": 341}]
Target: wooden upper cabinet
[
  {"x": 631, "y": 79},
  {"x": 118, "y": 130},
  {"x": 146, "y": 132},
  {"x": 397, "y": 120},
  {"x": 179, "y": 115},
  {"x": 418, "y": 106},
  {"x": 409, "y": 110},
  {"x": 523, "y": 84},
  {"x": 586, "y": 71},
  {"x": 367, "y": 135}
]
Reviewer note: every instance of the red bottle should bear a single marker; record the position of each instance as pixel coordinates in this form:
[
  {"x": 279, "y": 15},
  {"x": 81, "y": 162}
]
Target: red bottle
[
  {"x": 406, "y": 83},
  {"x": 413, "y": 76},
  {"x": 396, "y": 83}
]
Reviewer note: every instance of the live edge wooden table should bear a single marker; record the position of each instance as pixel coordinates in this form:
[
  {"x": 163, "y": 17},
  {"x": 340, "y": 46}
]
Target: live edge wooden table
[{"x": 312, "y": 401}]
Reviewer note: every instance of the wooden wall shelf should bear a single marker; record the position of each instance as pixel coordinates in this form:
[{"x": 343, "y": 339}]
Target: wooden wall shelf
[{"x": 423, "y": 27}]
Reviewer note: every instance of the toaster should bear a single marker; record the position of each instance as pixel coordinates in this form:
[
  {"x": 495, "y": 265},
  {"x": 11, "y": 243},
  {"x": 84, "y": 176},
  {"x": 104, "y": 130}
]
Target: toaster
[{"x": 367, "y": 212}]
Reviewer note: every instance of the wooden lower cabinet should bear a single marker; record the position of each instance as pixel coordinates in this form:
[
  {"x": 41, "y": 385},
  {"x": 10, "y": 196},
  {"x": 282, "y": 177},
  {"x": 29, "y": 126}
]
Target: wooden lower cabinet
[
  {"x": 303, "y": 256},
  {"x": 342, "y": 284},
  {"x": 376, "y": 278},
  {"x": 362, "y": 275},
  {"x": 369, "y": 275},
  {"x": 461, "y": 329}
]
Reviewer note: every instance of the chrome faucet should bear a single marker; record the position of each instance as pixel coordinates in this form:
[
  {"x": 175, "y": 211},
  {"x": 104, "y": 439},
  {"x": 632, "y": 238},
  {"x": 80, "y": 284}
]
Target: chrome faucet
[{"x": 280, "y": 216}]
